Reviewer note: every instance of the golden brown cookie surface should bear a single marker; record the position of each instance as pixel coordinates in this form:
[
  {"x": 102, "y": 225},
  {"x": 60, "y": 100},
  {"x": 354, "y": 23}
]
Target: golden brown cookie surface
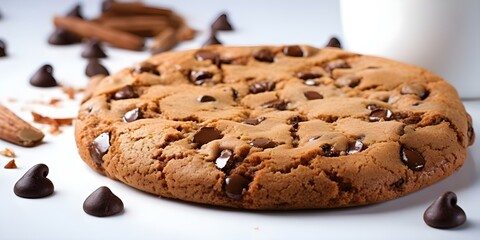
[{"x": 266, "y": 127}]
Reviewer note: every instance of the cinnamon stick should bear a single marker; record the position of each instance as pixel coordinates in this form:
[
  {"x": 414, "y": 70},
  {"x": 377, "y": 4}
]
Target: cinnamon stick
[
  {"x": 88, "y": 29},
  {"x": 145, "y": 26},
  {"x": 134, "y": 8},
  {"x": 165, "y": 40},
  {"x": 17, "y": 131}
]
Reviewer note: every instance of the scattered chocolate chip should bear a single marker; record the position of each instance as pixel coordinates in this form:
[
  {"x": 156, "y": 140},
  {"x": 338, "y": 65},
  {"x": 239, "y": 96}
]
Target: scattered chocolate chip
[
  {"x": 253, "y": 121},
  {"x": 125, "y": 93},
  {"x": 199, "y": 77},
  {"x": 75, "y": 12},
  {"x": 313, "y": 95},
  {"x": 311, "y": 82},
  {"x": 308, "y": 75},
  {"x": 221, "y": 24},
  {"x": 206, "y": 135},
  {"x": 444, "y": 212},
  {"x": 99, "y": 147},
  {"x": 63, "y": 37},
  {"x": 93, "y": 49},
  {"x": 132, "y": 115},
  {"x": 34, "y": 184},
  {"x": 260, "y": 87},
  {"x": 415, "y": 89},
  {"x": 264, "y": 55},
  {"x": 339, "y": 63},
  {"x": 329, "y": 151},
  {"x": 3, "y": 48},
  {"x": 263, "y": 143},
  {"x": 146, "y": 67},
  {"x": 334, "y": 42},
  {"x": 279, "y": 104},
  {"x": 95, "y": 68},
  {"x": 293, "y": 51},
  {"x": 379, "y": 114},
  {"x": 212, "y": 40},
  {"x": 102, "y": 203},
  {"x": 206, "y": 98},
  {"x": 348, "y": 81},
  {"x": 225, "y": 161},
  {"x": 355, "y": 147},
  {"x": 413, "y": 159},
  {"x": 43, "y": 77},
  {"x": 234, "y": 186}
]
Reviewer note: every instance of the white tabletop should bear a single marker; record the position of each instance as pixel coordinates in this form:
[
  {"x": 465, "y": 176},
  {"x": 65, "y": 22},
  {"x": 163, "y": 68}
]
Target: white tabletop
[{"x": 25, "y": 28}]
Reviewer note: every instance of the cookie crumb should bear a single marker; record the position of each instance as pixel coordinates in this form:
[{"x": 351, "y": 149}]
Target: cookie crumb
[
  {"x": 8, "y": 153},
  {"x": 54, "y": 123},
  {"x": 10, "y": 165}
]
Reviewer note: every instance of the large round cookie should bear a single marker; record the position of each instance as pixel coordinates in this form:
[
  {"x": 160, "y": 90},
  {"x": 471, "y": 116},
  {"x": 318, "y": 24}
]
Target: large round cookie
[{"x": 267, "y": 127}]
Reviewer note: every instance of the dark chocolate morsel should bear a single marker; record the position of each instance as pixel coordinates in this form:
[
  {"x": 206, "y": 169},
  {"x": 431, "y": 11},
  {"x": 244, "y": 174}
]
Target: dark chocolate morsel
[
  {"x": 234, "y": 185},
  {"x": 263, "y": 143},
  {"x": 334, "y": 42},
  {"x": 132, "y": 115},
  {"x": 206, "y": 135},
  {"x": 329, "y": 151},
  {"x": 199, "y": 77},
  {"x": 76, "y": 11},
  {"x": 355, "y": 147},
  {"x": 225, "y": 161},
  {"x": 34, "y": 183},
  {"x": 43, "y": 77},
  {"x": 254, "y": 121},
  {"x": 279, "y": 104},
  {"x": 206, "y": 98},
  {"x": 260, "y": 87},
  {"x": 207, "y": 55},
  {"x": 264, "y": 55},
  {"x": 308, "y": 75},
  {"x": 293, "y": 51},
  {"x": 348, "y": 81},
  {"x": 412, "y": 159},
  {"x": 312, "y": 95},
  {"x": 102, "y": 203},
  {"x": 146, "y": 67},
  {"x": 94, "y": 67},
  {"x": 93, "y": 49},
  {"x": 444, "y": 212},
  {"x": 61, "y": 36},
  {"x": 221, "y": 24},
  {"x": 212, "y": 40},
  {"x": 379, "y": 114},
  {"x": 125, "y": 93},
  {"x": 99, "y": 147},
  {"x": 3, "y": 48}
]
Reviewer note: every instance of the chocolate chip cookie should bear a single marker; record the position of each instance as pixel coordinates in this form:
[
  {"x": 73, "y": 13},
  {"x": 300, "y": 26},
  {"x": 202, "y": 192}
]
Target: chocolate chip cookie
[{"x": 273, "y": 127}]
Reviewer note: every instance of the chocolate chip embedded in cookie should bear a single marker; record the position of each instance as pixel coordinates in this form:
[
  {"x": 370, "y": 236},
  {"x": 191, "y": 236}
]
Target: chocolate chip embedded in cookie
[{"x": 274, "y": 127}]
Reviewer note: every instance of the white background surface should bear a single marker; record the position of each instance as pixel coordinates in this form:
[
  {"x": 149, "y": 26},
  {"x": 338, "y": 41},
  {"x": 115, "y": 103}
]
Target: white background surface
[{"x": 25, "y": 28}]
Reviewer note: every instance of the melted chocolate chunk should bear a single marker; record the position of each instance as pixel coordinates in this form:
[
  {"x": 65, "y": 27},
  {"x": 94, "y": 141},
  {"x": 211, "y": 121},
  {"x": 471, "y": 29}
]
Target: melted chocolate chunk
[
  {"x": 253, "y": 121},
  {"x": 146, "y": 67},
  {"x": 125, "y": 93},
  {"x": 308, "y": 75},
  {"x": 225, "y": 161},
  {"x": 415, "y": 89},
  {"x": 329, "y": 151},
  {"x": 95, "y": 68},
  {"x": 221, "y": 24},
  {"x": 348, "y": 81},
  {"x": 206, "y": 98},
  {"x": 43, "y": 77},
  {"x": 260, "y": 87},
  {"x": 380, "y": 114},
  {"x": 412, "y": 159},
  {"x": 3, "y": 48},
  {"x": 334, "y": 42},
  {"x": 264, "y": 55},
  {"x": 212, "y": 40},
  {"x": 279, "y": 104},
  {"x": 444, "y": 212},
  {"x": 234, "y": 186},
  {"x": 93, "y": 49},
  {"x": 312, "y": 95},
  {"x": 199, "y": 77},
  {"x": 355, "y": 147},
  {"x": 63, "y": 37},
  {"x": 102, "y": 203},
  {"x": 34, "y": 184},
  {"x": 206, "y": 135},
  {"x": 339, "y": 63},
  {"x": 99, "y": 147},
  {"x": 132, "y": 115},
  {"x": 263, "y": 143},
  {"x": 293, "y": 51}
]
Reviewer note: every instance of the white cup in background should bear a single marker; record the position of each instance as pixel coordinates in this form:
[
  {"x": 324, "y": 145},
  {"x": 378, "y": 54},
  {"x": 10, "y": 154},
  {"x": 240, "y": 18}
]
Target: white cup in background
[{"x": 440, "y": 35}]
